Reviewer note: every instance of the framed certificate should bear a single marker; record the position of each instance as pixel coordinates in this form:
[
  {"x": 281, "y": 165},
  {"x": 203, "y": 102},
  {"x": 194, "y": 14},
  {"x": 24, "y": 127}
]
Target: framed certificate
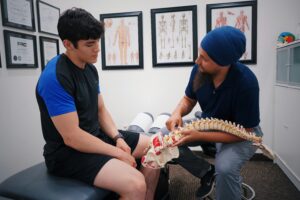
[
  {"x": 48, "y": 16},
  {"x": 49, "y": 49},
  {"x": 20, "y": 50},
  {"x": 18, "y": 14}
]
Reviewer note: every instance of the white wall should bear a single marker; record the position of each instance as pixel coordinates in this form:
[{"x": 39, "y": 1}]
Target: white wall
[
  {"x": 274, "y": 18},
  {"x": 127, "y": 92}
]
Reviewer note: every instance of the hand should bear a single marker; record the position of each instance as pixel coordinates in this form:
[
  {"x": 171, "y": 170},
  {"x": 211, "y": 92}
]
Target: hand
[
  {"x": 173, "y": 122},
  {"x": 127, "y": 158},
  {"x": 121, "y": 144},
  {"x": 188, "y": 136}
]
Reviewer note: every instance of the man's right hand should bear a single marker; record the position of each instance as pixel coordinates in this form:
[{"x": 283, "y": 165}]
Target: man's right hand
[
  {"x": 174, "y": 121},
  {"x": 127, "y": 158}
]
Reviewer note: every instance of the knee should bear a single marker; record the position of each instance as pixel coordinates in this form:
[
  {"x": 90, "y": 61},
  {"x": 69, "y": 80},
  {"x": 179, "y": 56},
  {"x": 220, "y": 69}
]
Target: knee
[
  {"x": 137, "y": 185},
  {"x": 226, "y": 169}
]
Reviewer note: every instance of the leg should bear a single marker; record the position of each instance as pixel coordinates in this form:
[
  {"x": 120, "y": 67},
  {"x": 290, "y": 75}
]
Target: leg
[
  {"x": 100, "y": 170},
  {"x": 192, "y": 163},
  {"x": 229, "y": 160},
  {"x": 121, "y": 52},
  {"x": 151, "y": 175},
  {"x": 125, "y": 53},
  {"x": 123, "y": 179}
]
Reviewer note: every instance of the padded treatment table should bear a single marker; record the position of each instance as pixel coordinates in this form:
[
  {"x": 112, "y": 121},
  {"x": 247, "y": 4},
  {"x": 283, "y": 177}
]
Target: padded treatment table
[{"x": 36, "y": 183}]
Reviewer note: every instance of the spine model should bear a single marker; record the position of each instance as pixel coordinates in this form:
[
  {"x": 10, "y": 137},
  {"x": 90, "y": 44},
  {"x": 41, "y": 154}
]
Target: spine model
[
  {"x": 160, "y": 150},
  {"x": 223, "y": 126}
]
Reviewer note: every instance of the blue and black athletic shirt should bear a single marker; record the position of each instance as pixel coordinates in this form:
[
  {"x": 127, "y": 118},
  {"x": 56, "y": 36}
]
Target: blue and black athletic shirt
[{"x": 63, "y": 88}]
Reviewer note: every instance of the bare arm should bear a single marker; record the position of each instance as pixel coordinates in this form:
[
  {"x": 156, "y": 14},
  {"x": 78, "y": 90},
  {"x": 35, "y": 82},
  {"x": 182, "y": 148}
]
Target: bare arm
[
  {"x": 237, "y": 23},
  {"x": 128, "y": 35},
  {"x": 246, "y": 21},
  {"x": 108, "y": 126},
  {"x": 217, "y": 23},
  {"x": 73, "y": 136},
  {"x": 115, "y": 37},
  {"x": 76, "y": 138},
  {"x": 215, "y": 136},
  {"x": 184, "y": 107},
  {"x": 105, "y": 120}
]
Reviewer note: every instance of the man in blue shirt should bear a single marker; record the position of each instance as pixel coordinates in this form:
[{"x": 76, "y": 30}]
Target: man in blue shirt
[
  {"x": 82, "y": 141},
  {"x": 228, "y": 90}
]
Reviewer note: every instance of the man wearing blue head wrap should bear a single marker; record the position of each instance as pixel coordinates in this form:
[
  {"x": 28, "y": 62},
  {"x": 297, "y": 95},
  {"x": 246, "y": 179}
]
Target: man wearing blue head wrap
[{"x": 228, "y": 90}]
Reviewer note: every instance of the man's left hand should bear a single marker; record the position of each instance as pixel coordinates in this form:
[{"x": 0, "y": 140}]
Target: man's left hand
[
  {"x": 187, "y": 137},
  {"x": 120, "y": 143}
]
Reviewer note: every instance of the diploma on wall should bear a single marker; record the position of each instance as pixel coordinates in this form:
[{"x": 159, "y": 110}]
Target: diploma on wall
[
  {"x": 19, "y": 12},
  {"x": 48, "y": 18},
  {"x": 22, "y": 51},
  {"x": 50, "y": 51}
]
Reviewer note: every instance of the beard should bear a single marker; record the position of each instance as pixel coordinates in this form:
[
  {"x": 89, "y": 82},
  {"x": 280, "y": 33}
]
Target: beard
[{"x": 200, "y": 79}]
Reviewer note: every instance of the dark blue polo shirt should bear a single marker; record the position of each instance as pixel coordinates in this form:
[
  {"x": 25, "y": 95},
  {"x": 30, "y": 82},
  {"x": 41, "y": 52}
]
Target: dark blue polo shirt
[{"x": 236, "y": 99}]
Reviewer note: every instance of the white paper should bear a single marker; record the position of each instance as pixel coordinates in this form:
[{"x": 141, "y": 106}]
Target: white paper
[
  {"x": 50, "y": 51},
  {"x": 19, "y": 12},
  {"x": 48, "y": 18},
  {"x": 22, "y": 51}
]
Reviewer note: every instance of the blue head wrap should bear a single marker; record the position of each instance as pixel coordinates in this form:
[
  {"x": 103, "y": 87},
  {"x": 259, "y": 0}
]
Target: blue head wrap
[{"x": 224, "y": 45}]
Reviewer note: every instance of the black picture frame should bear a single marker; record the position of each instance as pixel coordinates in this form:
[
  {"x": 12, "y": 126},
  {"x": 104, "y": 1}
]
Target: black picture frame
[
  {"x": 52, "y": 45},
  {"x": 174, "y": 36},
  {"x": 17, "y": 15},
  {"x": 48, "y": 16},
  {"x": 127, "y": 29},
  {"x": 20, "y": 50},
  {"x": 237, "y": 15}
]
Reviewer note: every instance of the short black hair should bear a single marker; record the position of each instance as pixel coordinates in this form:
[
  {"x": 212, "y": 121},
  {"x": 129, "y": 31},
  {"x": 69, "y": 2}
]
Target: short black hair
[{"x": 77, "y": 24}]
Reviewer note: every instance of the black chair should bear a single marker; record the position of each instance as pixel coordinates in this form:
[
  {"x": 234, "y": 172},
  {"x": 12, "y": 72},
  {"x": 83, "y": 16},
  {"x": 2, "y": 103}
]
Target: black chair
[{"x": 35, "y": 183}]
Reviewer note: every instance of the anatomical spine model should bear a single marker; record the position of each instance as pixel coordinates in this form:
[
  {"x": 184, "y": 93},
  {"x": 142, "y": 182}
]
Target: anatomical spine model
[{"x": 160, "y": 149}]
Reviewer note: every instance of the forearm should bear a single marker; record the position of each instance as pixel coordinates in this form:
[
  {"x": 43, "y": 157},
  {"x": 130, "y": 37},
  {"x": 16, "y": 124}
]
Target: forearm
[
  {"x": 75, "y": 137},
  {"x": 87, "y": 143},
  {"x": 116, "y": 35},
  {"x": 184, "y": 107},
  {"x": 106, "y": 123},
  {"x": 128, "y": 37},
  {"x": 216, "y": 136}
]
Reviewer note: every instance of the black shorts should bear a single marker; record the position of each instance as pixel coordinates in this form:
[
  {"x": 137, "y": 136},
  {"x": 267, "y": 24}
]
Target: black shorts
[{"x": 71, "y": 163}]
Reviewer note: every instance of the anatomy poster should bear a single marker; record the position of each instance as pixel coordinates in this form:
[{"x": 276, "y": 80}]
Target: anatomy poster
[
  {"x": 241, "y": 15},
  {"x": 122, "y": 42},
  {"x": 175, "y": 35}
]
